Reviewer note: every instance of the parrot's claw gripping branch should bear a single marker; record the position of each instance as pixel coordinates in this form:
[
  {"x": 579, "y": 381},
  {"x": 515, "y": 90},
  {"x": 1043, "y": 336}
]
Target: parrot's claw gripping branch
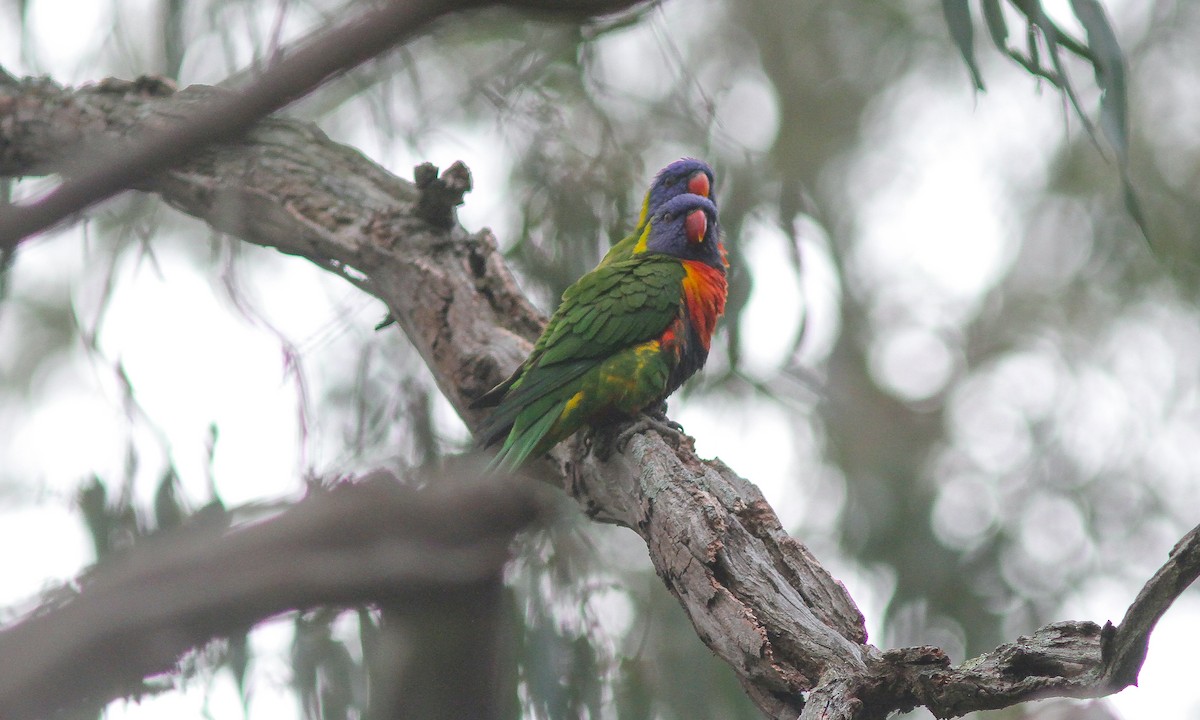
[{"x": 671, "y": 431}]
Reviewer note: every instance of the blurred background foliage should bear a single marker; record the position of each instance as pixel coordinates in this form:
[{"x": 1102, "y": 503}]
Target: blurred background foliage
[{"x": 953, "y": 362}]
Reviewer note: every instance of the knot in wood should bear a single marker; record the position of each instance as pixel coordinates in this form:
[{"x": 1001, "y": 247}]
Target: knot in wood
[{"x": 440, "y": 195}]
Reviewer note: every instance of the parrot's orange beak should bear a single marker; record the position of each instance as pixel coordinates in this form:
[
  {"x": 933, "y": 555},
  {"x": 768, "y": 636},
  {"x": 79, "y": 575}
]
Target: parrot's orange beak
[
  {"x": 697, "y": 226},
  {"x": 698, "y": 185}
]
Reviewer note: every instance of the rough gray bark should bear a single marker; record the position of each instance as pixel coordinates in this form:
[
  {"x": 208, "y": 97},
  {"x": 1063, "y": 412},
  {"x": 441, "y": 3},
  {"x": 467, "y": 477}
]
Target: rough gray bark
[{"x": 755, "y": 596}]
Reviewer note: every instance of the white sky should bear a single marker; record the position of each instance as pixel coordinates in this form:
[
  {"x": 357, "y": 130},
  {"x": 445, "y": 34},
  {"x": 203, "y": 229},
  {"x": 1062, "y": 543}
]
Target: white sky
[{"x": 194, "y": 361}]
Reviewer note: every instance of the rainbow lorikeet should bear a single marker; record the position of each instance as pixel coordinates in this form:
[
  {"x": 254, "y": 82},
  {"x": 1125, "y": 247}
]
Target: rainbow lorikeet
[
  {"x": 685, "y": 175},
  {"x": 626, "y": 335}
]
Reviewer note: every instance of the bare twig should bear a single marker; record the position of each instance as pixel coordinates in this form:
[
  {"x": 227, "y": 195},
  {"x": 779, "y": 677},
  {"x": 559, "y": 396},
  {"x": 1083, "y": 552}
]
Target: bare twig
[
  {"x": 1125, "y": 645},
  {"x": 1064, "y": 659}
]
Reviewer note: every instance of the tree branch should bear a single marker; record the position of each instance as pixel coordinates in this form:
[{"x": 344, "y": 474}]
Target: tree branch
[
  {"x": 137, "y": 613},
  {"x": 756, "y": 596},
  {"x": 1063, "y": 659},
  {"x": 101, "y": 170},
  {"x": 1125, "y": 646}
]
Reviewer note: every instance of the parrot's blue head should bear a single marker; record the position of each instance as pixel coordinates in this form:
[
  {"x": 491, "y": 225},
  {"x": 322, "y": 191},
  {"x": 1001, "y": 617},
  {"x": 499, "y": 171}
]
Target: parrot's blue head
[
  {"x": 686, "y": 227},
  {"x": 686, "y": 175}
]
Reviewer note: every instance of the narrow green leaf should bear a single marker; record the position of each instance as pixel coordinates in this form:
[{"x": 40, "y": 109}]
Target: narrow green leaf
[
  {"x": 1039, "y": 22},
  {"x": 962, "y": 31},
  {"x": 1031, "y": 43},
  {"x": 1134, "y": 206},
  {"x": 237, "y": 659},
  {"x": 168, "y": 508},
  {"x": 210, "y": 453},
  {"x": 1109, "y": 64},
  {"x": 92, "y": 499},
  {"x": 993, "y": 15}
]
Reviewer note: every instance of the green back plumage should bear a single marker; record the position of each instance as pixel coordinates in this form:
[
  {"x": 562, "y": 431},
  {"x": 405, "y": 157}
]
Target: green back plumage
[
  {"x": 596, "y": 331},
  {"x": 627, "y": 302}
]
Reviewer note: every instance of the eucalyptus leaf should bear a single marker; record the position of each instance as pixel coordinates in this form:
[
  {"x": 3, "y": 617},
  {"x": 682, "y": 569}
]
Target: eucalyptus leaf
[
  {"x": 993, "y": 15},
  {"x": 962, "y": 31}
]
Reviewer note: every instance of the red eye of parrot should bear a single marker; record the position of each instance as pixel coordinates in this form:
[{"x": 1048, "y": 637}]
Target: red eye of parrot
[
  {"x": 697, "y": 225},
  {"x": 698, "y": 184}
]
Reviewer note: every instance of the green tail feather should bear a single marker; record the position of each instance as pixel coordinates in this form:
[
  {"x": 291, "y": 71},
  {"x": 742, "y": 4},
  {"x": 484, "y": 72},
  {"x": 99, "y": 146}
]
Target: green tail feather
[
  {"x": 544, "y": 386},
  {"x": 526, "y": 438}
]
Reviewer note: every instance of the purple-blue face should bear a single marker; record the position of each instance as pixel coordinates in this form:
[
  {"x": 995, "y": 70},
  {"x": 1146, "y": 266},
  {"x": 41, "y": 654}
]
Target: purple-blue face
[
  {"x": 686, "y": 227},
  {"x": 686, "y": 175}
]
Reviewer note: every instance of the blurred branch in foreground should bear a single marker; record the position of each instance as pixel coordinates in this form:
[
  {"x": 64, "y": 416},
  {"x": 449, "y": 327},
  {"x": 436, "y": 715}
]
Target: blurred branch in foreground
[{"x": 374, "y": 541}]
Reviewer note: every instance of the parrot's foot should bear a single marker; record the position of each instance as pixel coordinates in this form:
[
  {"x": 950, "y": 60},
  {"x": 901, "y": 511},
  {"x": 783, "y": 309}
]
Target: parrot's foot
[
  {"x": 609, "y": 440},
  {"x": 658, "y": 414},
  {"x": 656, "y": 420}
]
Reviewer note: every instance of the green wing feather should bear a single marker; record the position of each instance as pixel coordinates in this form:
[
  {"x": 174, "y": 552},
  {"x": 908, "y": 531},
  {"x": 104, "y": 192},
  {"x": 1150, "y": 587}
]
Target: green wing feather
[
  {"x": 628, "y": 302},
  {"x": 524, "y": 391},
  {"x": 608, "y": 311},
  {"x": 594, "y": 301}
]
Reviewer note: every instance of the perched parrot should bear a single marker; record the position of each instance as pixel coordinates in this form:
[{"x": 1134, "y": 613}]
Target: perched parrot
[
  {"x": 686, "y": 175},
  {"x": 626, "y": 335}
]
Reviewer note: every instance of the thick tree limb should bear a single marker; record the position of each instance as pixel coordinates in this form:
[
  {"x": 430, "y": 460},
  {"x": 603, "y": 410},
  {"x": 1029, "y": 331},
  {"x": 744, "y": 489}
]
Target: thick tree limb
[
  {"x": 101, "y": 170},
  {"x": 136, "y": 614},
  {"x": 756, "y": 597}
]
